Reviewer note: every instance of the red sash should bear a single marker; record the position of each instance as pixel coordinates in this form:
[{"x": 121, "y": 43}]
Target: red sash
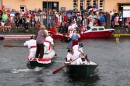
[{"x": 32, "y": 47}]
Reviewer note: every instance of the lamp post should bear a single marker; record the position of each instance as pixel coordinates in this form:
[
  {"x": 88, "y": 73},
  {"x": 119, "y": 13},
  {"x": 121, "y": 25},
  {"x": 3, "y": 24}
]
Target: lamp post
[
  {"x": 1, "y": 4},
  {"x": 47, "y": 14}
]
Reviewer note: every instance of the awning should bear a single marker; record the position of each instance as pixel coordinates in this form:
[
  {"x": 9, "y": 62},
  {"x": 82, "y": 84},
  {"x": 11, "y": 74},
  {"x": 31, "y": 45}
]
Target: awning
[{"x": 124, "y": 3}]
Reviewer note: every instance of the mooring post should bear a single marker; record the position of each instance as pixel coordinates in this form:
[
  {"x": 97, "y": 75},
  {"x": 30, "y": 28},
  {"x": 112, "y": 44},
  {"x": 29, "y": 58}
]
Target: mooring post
[{"x": 117, "y": 39}]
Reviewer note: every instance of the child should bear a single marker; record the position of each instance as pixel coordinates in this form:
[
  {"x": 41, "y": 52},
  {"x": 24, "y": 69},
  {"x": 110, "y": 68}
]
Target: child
[
  {"x": 9, "y": 25},
  {"x": 2, "y": 26}
]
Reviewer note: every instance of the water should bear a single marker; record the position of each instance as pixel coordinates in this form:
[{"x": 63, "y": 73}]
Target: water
[{"x": 113, "y": 69}]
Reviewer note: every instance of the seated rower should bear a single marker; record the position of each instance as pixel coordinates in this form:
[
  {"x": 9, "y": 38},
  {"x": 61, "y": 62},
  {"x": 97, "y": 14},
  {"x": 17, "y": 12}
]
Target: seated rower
[
  {"x": 31, "y": 44},
  {"x": 82, "y": 52},
  {"x": 72, "y": 55},
  {"x": 79, "y": 48},
  {"x": 48, "y": 43}
]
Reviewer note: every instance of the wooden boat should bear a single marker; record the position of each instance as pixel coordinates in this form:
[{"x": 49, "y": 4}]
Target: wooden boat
[
  {"x": 40, "y": 62},
  {"x": 83, "y": 70},
  {"x": 93, "y": 32}
]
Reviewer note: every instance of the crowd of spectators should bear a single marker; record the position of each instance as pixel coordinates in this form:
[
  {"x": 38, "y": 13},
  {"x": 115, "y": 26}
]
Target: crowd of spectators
[{"x": 92, "y": 16}]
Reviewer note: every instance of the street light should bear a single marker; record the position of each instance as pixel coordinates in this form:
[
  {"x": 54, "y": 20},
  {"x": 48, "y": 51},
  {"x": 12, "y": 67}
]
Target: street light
[{"x": 47, "y": 14}]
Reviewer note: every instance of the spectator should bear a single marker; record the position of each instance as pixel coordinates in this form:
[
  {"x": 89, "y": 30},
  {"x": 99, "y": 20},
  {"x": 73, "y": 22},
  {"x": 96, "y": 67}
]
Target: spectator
[
  {"x": 120, "y": 20},
  {"x": 9, "y": 25},
  {"x": 81, "y": 6},
  {"x": 26, "y": 26}
]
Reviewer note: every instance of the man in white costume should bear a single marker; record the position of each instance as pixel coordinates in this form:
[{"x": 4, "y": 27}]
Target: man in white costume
[
  {"x": 78, "y": 47},
  {"x": 74, "y": 25},
  {"x": 74, "y": 54},
  {"x": 48, "y": 43},
  {"x": 31, "y": 44}
]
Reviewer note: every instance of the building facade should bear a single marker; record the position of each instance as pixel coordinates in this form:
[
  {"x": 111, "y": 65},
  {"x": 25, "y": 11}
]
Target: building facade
[{"x": 105, "y": 5}]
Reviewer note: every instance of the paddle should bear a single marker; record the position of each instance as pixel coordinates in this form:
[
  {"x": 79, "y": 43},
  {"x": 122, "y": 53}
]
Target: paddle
[
  {"x": 12, "y": 46},
  {"x": 60, "y": 68},
  {"x": 87, "y": 58}
]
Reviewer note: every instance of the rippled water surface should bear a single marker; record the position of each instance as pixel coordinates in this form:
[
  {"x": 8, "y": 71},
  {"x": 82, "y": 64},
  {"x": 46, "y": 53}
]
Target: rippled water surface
[{"x": 113, "y": 69}]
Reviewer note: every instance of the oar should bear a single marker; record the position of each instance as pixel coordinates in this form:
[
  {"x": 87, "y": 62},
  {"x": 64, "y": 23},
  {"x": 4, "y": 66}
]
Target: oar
[
  {"x": 60, "y": 68},
  {"x": 86, "y": 57},
  {"x": 54, "y": 49},
  {"x": 12, "y": 46}
]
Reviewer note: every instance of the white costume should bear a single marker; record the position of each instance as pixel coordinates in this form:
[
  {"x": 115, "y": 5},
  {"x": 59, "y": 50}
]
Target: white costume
[
  {"x": 81, "y": 49},
  {"x": 74, "y": 56},
  {"x": 48, "y": 42},
  {"x": 32, "y": 47},
  {"x": 78, "y": 48},
  {"x": 75, "y": 47},
  {"x": 70, "y": 30},
  {"x": 74, "y": 25}
]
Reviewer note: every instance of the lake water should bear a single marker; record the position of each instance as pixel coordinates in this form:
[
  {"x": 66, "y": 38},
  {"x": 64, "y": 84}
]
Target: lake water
[{"x": 113, "y": 68}]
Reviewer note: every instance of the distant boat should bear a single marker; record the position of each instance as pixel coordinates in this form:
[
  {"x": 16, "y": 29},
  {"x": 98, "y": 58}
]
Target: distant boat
[{"x": 93, "y": 32}]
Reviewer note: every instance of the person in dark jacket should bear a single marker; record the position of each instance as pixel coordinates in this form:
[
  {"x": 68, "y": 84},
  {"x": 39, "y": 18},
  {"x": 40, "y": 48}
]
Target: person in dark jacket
[{"x": 40, "y": 42}]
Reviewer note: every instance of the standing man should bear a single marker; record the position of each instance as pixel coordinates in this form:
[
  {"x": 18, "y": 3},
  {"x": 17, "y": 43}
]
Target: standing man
[{"x": 40, "y": 41}]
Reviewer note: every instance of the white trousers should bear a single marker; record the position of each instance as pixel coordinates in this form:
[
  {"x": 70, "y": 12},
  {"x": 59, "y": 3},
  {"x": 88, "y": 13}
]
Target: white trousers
[
  {"x": 32, "y": 54},
  {"x": 78, "y": 61}
]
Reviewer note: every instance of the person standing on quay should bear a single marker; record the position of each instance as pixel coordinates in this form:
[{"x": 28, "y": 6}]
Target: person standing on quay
[{"x": 40, "y": 41}]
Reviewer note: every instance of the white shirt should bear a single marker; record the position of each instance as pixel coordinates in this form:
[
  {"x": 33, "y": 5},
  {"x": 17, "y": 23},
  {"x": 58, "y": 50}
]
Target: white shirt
[
  {"x": 2, "y": 23},
  {"x": 70, "y": 27},
  {"x": 74, "y": 25},
  {"x": 30, "y": 43},
  {"x": 74, "y": 56},
  {"x": 76, "y": 47},
  {"x": 81, "y": 49},
  {"x": 50, "y": 39}
]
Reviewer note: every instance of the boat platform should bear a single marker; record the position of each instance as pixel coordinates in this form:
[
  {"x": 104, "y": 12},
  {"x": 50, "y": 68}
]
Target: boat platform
[
  {"x": 16, "y": 36},
  {"x": 119, "y": 35}
]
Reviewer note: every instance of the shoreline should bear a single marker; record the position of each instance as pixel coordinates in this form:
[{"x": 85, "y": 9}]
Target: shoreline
[{"x": 21, "y": 32}]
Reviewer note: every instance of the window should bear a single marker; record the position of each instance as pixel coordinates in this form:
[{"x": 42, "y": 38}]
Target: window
[
  {"x": 101, "y": 4},
  {"x": 94, "y": 29},
  {"x": 75, "y": 2},
  {"x": 88, "y": 2},
  {"x": 101, "y": 28},
  {"x": 22, "y": 8},
  {"x": 82, "y": 3},
  {"x": 94, "y": 2}
]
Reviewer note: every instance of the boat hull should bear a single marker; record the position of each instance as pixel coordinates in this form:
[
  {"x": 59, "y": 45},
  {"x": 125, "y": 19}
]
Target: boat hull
[
  {"x": 33, "y": 64},
  {"x": 88, "y": 35},
  {"x": 83, "y": 70},
  {"x": 40, "y": 62},
  {"x": 99, "y": 34}
]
